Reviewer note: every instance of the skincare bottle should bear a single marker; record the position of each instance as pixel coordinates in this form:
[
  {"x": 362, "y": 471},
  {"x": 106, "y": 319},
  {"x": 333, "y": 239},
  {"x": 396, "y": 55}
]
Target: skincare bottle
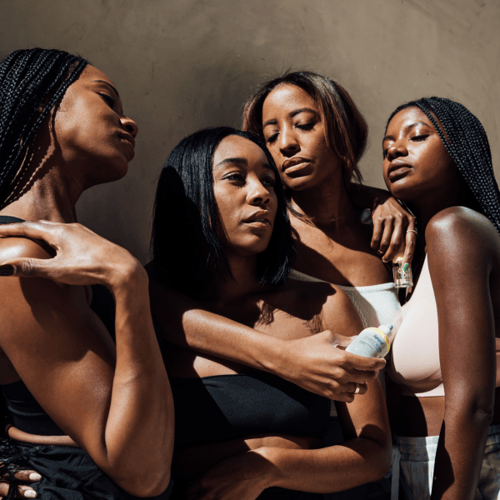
[{"x": 372, "y": 342}]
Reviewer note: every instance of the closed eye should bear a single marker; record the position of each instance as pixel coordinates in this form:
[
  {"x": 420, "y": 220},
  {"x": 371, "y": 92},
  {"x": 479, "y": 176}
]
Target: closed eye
[
  {"x": 419, "y": 137},
  {"x": 110, "y": 101},
  {"x": 272, "y": 138},
  {"x": 306, "y": 126}
]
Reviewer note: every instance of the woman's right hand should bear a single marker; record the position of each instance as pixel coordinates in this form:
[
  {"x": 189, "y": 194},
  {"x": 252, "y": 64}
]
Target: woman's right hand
[
  {"x": 317, "y": 364},
  {"x": 81, "y": 256}
]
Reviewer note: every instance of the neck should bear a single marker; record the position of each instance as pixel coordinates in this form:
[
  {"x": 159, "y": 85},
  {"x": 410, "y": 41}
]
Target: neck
[
  {"x": 328, "y": 203},
  {"x": 45, "y": 192},
  {"x": 426, "y": 208},
  {"x": 244, "y": 282}
]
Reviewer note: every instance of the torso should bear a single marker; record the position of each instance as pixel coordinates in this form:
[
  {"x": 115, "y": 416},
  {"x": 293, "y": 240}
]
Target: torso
[{"x": 414, "y": 364}]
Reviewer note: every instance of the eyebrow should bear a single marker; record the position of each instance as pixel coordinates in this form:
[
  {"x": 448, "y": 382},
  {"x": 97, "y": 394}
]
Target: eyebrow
[
  {"x": 408, "y": 127},
  {"x": 291, "y": 115},
  {"x": 109, "y": 85},
  {"x": 240, "y": 161}
]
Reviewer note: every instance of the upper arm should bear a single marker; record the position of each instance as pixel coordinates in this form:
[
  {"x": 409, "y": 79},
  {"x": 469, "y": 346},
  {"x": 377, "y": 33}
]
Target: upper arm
[
  {"x": 460, "y": 245},
  {"x": 57, "y": 345}
]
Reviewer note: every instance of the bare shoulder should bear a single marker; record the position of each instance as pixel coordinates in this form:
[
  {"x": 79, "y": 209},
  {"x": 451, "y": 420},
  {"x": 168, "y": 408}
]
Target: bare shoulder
[
  {"x": 461, "y": 233},
  {"x": 22, "y": 247}
]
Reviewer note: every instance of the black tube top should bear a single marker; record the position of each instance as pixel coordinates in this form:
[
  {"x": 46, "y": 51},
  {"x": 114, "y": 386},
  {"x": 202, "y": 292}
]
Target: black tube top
[{"x": 224, "y": 407}]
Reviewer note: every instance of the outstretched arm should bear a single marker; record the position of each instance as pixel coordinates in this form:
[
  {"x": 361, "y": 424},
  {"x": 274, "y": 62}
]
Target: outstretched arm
[
  {"x": 461, "y": 245},
  {"x": 313, "y": 363},
  {"x": 116, "y": 404}
]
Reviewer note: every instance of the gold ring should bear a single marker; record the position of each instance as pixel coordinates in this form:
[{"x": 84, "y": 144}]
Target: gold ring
[{"x": 411, "y": 231}]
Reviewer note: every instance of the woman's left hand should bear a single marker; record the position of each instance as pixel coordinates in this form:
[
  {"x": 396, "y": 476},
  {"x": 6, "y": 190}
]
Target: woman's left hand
[
  {"x": 392, "y": 225},
  {"x": 243, "y": 476}
]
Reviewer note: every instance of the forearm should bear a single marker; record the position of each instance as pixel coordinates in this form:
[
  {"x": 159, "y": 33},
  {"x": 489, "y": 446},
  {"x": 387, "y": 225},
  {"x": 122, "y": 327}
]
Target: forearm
[
  {"x": 191, "y": 462},
  {"x": 139, "y": 427},
  {"x": 460, "y": 453},
  {"x": 183, "y": 322},
  {"x": 337, "y": 468}
]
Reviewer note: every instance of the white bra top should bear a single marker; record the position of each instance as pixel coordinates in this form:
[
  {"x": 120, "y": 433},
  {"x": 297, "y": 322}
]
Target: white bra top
[{"x": 376, "y": 304}]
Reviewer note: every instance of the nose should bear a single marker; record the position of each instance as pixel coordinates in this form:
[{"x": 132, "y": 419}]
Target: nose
[
  {"x": 130, "y": 126},
  {"x": 288, "y": 142},
  {"x": 396, "y": 149},
  {"x": 258, "y": 193}
]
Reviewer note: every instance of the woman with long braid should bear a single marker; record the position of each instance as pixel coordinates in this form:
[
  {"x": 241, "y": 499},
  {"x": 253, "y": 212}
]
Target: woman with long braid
[
  {"x": 95, "y": 419},
  {"x": 447, "y": 420}
]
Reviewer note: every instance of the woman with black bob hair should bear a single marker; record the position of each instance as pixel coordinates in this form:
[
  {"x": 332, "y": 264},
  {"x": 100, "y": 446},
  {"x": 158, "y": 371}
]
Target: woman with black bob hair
[
  {"x": 221, "y": 234},
  {"x": 446, "y": 406},
  {"x": 186, "y": 183},
  {"x": 93, "y": 417}
]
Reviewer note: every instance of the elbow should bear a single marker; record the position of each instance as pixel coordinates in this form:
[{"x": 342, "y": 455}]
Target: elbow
[
  {"x": 380, "y": 458},
  {"x": 471, "y": 409},
  {"x": 146, "y": 484},
  {"x": 382, "y": 463}
]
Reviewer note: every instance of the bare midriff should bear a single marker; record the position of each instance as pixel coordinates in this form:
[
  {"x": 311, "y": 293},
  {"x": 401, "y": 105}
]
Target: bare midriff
[{"x": 420, "y": 417}]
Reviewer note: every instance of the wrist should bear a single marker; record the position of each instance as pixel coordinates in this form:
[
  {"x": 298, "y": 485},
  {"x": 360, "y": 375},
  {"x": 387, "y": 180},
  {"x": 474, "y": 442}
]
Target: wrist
[
  {"x": 274, "y": 356},
  {"x": 126, "y": 276}
]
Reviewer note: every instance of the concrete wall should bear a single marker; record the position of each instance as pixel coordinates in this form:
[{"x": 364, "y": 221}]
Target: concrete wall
[{"x": 181, "y": 65}]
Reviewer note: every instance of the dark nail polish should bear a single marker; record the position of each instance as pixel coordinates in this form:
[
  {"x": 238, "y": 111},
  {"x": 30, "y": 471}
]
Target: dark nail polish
[{"x": 6, "y": 270}]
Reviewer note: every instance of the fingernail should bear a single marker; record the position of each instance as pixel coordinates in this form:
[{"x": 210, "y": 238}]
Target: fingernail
[
  {"x": 30, "y": 493},
  {"x": 34, "y": 476},
  {"x": 7, "y": 270}
]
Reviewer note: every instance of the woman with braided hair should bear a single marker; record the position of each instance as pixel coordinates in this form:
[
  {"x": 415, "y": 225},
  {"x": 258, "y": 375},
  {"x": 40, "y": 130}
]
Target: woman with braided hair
[
  {"x": 93, "y": 418},
  {"x": 446, "y": 416}
]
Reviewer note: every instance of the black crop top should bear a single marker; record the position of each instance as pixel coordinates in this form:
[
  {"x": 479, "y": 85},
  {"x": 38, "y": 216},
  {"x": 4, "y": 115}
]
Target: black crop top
[
  {"x": 23, "y": 410},
  {"x": 224, "y": 407}
]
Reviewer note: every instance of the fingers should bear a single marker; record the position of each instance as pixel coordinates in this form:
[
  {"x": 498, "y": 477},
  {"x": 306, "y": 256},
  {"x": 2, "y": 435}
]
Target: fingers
[
  {"x": 40, "y": 230},
  {"x": 22, "y": 491},
  {"x": 396, "y": 238},
  {"x": 27, "y": 475},
  {"x": 411, "y": 241},
  {"x": 386, "y": 235},
  {"x": 28, "y": 268},
  {"x": 378, "y": 228}
]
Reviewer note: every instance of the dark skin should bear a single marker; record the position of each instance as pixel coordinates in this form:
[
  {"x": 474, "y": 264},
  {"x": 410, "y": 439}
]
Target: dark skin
[
  {"x": 297, "y": 310},
  {"x": 112, "y": 401},
  {"x": 341, "y": 252},
  {"x": 463, "y": 252}
]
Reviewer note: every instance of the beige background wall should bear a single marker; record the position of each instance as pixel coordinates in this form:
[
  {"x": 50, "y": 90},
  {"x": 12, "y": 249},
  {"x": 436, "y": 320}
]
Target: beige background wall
[{"x": 181, "y": 65}]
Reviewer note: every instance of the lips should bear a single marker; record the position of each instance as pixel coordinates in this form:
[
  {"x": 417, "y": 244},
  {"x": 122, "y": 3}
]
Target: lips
[
  {"x": 296, "y": 167},
  {"x": 128, "y": 140},
  {"x": 293, "y": 162},
  {"x": 398, "y": 170},
  {"x": 260, "y": 217}
]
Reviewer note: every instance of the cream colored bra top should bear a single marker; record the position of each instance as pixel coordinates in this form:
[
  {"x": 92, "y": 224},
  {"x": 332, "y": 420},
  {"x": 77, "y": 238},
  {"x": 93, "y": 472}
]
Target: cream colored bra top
[{"x": 414, "y": 363}]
